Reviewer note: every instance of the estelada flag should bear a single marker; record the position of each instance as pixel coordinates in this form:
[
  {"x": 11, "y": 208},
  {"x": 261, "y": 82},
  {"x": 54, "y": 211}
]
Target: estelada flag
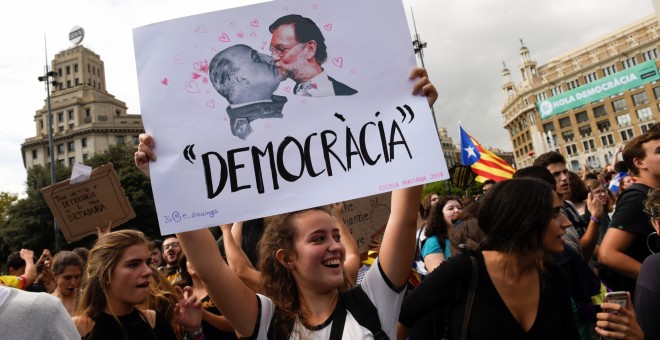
[{"x": 484, "y": 163}]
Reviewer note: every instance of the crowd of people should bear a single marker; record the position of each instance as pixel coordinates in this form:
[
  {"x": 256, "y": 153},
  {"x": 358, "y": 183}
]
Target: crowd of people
[{"x": 532, "y": 257}]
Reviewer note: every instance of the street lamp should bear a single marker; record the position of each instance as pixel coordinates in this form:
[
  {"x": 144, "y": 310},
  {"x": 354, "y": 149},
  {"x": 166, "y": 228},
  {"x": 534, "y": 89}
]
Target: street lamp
[{"x": 47, "y": 79}]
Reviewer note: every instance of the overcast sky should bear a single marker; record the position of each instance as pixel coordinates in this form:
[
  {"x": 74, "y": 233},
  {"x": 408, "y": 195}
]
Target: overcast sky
[{"x": 467, "y": 42}]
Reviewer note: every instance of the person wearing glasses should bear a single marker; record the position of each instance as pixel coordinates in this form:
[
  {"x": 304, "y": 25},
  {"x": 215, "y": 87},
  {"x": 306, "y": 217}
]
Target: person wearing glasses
[
  {"x": 247, "y": 80},
  {"x": 299, "y": 50},
  {"x": 172, "y": 255}
]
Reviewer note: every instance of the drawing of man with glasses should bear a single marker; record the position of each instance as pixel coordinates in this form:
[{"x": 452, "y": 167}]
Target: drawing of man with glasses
[{"x": 298, "y": 48}]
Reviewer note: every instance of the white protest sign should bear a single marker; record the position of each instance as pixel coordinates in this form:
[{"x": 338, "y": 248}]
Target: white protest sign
[{"x": 249, "y": 123}]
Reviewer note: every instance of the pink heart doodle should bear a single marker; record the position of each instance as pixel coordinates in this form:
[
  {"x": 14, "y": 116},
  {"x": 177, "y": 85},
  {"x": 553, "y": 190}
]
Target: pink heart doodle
[
  {"x": 268, "y": 126},
  {"x": 224, "y": 38},
  {"x": 213, "y": 50},
  {"x": 286, "y": 9},
  {"x": 315, "y": 6},
  {"x": 287, "y": 89},
  {"x": 353, "y": 71},
  {"x": 210, "y": 103},
  {"x": 328, "y": 27},
  {"x": 200, "y": 29},
  {"x": 164, "y": 81},
  {"x": 226, "y": 119},
  {"x": 195, "y": 75},
  {"x": 263, "y": 45},
  {"x": 254, "y": 23},
  {"x": 202, "y": 65},
  {"x": 208, "y": 91},
  {"x": 205, "y": 81},
  {"x": 232, "y": 24},
  {"x": 192, "y": 87},
  {"x": 339, "y": 62},
  {"x": 240, "y": 34},
  {"x": 253, "y": 34},
  {"x": 178, "y": 59}
]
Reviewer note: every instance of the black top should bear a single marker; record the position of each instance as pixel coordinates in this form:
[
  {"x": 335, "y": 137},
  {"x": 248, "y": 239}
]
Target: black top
[
  {"x": 629, "y": 216},
  {"x": 647, "y": 297},
  {"x": 490, "y": 318},
  {"x": 210, "y": 332},
  {"x": 134, "y": 326}
]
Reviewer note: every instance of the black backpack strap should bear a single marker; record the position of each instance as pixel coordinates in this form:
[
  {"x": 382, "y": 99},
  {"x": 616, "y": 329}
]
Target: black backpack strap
[
  {"x": 338, "y": 321},
  {"x": 470, "y": 298},
  {"x": 363, "y": 310}
]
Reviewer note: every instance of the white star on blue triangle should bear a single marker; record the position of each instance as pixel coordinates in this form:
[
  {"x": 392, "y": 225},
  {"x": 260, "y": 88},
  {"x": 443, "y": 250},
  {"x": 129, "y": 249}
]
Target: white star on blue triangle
[{"x": 469, "y": 152}]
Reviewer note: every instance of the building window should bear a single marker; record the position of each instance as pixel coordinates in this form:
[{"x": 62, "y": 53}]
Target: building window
[
  {"x": 83, "y": 142},
  {"x": 85, "y": 157},
  {"x": 556, "y": 90},
  {"x": 60, "y": 148},
  {"x": 571, "y": 149},
  {"x": 69, "y": 114},
  {"x": 581, "y": 117},
  {"x": 603, "y": 126},
  {"x": 627, "y": 134},
  {"x": 87, "y": 112},
  {"x": 136, "y": 140},
  {"x": 572, "y": 84},
  {"x": 60, "y": 162},
  {"x": 60, "y": 128},
  {"x": 59, "y": 72},
  {"x": 60, "y": 116},
  {"x": 599, "y": 111},
  {"x": 646, "y": 127},
  {"x": 585, "y": 131},
  {"x": 590, "y": 77},
  {"x": 640, "y": 98},
  {"x": 656, "y": 92},
  {"x": 41, "y": 123},
  {"x": 607, "y": 140},
  {"x": 120, "y": 139},
  {"x": 589, "y": 145},
  {"x": 540, "y": 97},
  {"x": 75, "y": 67},
  {"x": 650, "y": 54},
  {"x": 644, "y": 114},
  {"x": 34, "y": 154},
  {"x": 549, "y": 126},
  {"x": 630, "y": 62},
  {"x": 77, "y": 81},
  {"x": 564, "y": 122},
  {"x": 71, "y": 146},
  {"x": 609, "y": 70},
  {"x": 117, "y": 113},
  {"x": 68, "y": 84},
  {"x": 68, "y": 70},
  {"x": 567, "y": 136},
  {"x": 71, "y": 126},
  {"x": 623, "y": 120},
  {"x": 619, "y": 105},
  {"x": 72, "y": 161}
]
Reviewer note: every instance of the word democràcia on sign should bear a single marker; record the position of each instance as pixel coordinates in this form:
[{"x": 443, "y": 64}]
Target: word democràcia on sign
[{"x": 218, "y": 168}]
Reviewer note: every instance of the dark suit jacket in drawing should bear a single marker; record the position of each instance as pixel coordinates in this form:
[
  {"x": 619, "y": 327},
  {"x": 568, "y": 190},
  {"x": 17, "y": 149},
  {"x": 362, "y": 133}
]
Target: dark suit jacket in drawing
[
  {"x": 240, "y": 117},
  {"x": 339, "y": 88}
]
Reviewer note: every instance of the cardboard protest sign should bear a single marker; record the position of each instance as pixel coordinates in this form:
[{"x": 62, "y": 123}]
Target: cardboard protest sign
[
  {"x": 253, "y": 119},
  {"x": 366, "y": 219},
  {"x": 80, "y": 208}
]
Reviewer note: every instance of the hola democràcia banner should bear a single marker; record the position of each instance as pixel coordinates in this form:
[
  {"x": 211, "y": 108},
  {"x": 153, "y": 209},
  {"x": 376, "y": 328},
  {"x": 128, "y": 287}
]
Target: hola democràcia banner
[{"x": 280, "y": 106}]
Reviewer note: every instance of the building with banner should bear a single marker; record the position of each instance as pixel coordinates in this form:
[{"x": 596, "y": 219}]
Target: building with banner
[
  {"x": 587, "y": 101},
  {"x": 87, "y": 119}
]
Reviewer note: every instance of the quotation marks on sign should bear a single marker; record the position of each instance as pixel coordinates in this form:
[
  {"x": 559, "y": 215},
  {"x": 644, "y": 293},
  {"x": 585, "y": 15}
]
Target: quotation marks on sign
[
  {"x": 340, "y": 117},
  {"x": 339, "y": 62},
  {"x": 328, "y": 27},
  {"x": 410, "y": 112},
  {"x": 164, "y": 81},
  {"x": 188, "y": 153},
  {"x": 224, "y": 38},
  {"x": 200, "y": 29}
]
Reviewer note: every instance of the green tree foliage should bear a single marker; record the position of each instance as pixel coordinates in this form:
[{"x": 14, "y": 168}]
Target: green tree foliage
[
  {"x": 29, "y": 222},
  {"x": 6, "y": 200}
]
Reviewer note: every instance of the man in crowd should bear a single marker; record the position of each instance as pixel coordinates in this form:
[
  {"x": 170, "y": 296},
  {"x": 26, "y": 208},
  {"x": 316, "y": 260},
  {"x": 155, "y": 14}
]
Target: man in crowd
[
  {"x": 172, "y": 255},
  {"x": 21, "y": 268},
  {"x": 299, "y": 50},
  {"x": 581, "y": 236},
  {"x": 624, "y": 246},
  {"x": 247, "y": 79}
]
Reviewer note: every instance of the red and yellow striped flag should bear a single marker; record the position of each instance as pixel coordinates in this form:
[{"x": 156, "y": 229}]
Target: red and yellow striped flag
[{"x": 484, "y": 163}]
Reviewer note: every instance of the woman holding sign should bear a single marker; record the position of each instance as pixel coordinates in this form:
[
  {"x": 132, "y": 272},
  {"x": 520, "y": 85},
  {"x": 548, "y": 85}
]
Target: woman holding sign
[{"x": 302, "y": 260}]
